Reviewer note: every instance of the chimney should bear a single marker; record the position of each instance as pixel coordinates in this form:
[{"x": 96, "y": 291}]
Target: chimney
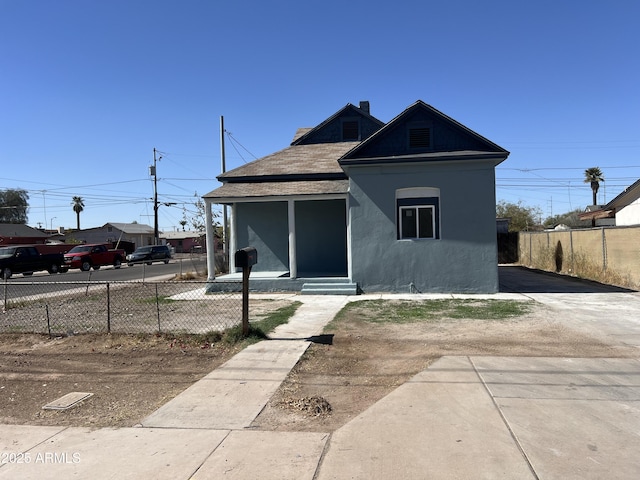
[{"x": 364, "y": 105}]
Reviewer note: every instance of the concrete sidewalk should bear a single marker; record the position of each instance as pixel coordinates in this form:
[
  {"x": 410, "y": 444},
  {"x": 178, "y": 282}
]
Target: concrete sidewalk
[
  {"x": 498, "y": 417},
  {"x": 233, "y": 395},
  {"x": 463, "y": 417}
]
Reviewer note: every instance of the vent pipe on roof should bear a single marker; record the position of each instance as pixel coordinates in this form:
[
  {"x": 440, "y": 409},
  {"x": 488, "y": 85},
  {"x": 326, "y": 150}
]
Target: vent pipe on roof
[{"x": 364, "y": 105}]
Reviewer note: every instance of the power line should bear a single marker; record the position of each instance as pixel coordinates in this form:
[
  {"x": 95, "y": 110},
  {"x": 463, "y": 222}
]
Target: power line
[{"x": 234, "y": 141}]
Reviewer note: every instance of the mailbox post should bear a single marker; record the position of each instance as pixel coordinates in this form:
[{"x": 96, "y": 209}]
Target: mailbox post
[{"x": 246, "y": 258}]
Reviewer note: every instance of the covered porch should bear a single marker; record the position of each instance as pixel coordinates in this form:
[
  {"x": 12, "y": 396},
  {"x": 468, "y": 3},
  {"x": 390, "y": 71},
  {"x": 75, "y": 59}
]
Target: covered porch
[{"x": 302, "y": 243}]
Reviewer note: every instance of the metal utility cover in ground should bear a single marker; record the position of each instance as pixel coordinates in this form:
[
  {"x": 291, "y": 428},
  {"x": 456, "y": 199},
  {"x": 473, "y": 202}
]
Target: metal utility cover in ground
[{"x": 67, "y": 401}]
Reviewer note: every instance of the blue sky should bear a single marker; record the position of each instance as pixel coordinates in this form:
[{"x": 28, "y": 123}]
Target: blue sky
[{"x": 89, "y": 88}]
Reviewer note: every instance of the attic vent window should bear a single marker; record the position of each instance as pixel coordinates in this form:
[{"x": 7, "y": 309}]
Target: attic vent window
[
  {"x": 350, "y": 130},
  {"x": 420, "y": 137}
]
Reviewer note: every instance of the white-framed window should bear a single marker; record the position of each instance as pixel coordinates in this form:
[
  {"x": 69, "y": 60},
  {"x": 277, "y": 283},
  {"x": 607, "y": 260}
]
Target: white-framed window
[{"x": 418, "y": 213}]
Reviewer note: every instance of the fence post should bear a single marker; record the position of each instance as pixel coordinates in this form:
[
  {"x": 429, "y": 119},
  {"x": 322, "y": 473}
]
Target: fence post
[
  {"x": 158, "y": 309},
  {"x": 108, "y": 309},
  {"x": 604, "y": 251},
  {"x": 571, "y": 251},
  {"x": 46, "y": 309}
]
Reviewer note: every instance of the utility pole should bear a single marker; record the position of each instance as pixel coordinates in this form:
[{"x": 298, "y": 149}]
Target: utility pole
[
  {"x": 225, "y": 233},
  {"x": 153, "y": 172}
]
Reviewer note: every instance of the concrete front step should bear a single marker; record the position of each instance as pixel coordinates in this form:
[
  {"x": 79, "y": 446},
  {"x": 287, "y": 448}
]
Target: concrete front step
[{"x": 329, "y": 289}]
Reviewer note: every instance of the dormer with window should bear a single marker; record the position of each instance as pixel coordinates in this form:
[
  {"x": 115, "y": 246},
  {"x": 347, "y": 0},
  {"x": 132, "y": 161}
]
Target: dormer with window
[{"x": 351, "y": 124}]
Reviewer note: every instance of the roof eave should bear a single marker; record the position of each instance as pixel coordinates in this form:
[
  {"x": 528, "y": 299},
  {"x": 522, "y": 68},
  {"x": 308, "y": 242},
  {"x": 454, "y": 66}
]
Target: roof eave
[
  {"x": 498, "y": 157},
  {"x": 286, "y": 178}
]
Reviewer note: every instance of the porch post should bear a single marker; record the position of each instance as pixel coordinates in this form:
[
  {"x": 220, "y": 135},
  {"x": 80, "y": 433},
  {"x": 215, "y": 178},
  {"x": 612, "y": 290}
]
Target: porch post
[
  {"x": 233, "y": 241},
  {"x": 348, "y": 216},
  {"x": 211, "y": 261},
  {"x": 293, "y": 264}
]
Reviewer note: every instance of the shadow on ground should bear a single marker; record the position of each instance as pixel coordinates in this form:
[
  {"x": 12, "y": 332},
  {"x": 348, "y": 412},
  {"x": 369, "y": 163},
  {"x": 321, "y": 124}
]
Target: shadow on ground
[{"x": 515, "y": 279}]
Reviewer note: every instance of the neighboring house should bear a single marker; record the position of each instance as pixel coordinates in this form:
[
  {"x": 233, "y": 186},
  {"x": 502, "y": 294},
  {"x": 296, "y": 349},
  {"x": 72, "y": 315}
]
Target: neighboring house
[
  {"x": 624, "y": 210},
  {"x": 185, "y": 241},
  {"x": 18, "y": 233},
  {"x": 405, "y": 206},
  {"x": 126, "y": 235}
]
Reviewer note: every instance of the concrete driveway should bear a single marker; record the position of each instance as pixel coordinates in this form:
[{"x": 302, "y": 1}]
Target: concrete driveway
[
  {"x": 511, "y": 417},
  {"x": 604, "y": 311}
]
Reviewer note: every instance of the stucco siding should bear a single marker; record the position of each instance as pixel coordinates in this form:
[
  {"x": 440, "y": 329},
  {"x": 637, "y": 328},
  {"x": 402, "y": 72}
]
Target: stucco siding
[
  {"x": 465, "y": 255},
  {"x": 629, "y": 215},
  {"x": 264, "y": 226}
]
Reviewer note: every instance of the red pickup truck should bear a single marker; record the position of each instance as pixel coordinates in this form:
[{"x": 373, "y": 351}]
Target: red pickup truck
[{"x": 88, "y": 256}]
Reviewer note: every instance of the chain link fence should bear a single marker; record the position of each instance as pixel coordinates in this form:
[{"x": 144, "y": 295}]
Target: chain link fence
[{"x": 64, "y": 308}]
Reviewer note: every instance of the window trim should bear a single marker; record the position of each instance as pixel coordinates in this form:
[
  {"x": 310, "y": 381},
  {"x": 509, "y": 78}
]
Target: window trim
[
  {"x": 417, "y": 198},
  {"x": 418, "y": 226}
]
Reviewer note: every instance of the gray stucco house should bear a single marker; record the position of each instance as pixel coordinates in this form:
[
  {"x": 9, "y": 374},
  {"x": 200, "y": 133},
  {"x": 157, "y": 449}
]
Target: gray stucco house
[{"x": 354, "y": 203}]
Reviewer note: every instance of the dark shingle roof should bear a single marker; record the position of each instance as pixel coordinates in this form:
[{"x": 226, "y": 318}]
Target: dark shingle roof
[{"x": 20, "y": 230}]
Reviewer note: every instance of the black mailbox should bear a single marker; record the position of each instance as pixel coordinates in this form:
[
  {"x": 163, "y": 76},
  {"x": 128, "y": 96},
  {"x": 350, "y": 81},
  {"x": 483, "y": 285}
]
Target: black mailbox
[{"x": 246, "y": 257}]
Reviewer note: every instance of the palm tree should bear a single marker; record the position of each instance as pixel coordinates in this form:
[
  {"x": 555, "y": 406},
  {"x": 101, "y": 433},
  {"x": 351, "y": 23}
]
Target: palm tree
[
  {"x": 78, "y": 206},
  {"x": 594, "y": 176}
]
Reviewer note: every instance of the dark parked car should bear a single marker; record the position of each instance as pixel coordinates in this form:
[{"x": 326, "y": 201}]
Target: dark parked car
[
  {"x": 149, "y": 254},
  {"x": 26, "y": 260}
]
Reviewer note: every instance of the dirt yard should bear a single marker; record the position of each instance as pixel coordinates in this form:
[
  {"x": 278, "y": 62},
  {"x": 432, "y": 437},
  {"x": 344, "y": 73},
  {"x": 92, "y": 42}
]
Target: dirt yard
[
  {"x": 368, "y": 359},
  {"x": 130, "y": 376}
]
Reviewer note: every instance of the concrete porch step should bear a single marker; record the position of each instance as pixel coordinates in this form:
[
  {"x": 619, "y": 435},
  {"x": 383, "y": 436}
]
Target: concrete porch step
[{"x": 329, "y": 288}]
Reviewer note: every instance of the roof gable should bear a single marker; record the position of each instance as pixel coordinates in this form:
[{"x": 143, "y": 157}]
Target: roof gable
[
  {"x": 422, "y": 132},
  {"x": 331, "y": 130}
]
